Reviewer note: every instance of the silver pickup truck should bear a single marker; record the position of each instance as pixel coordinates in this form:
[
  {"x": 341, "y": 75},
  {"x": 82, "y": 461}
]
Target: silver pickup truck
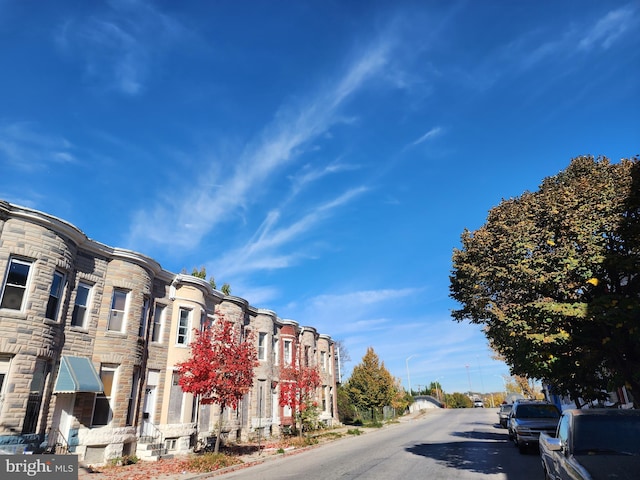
[{"x": 593, "y": 444}]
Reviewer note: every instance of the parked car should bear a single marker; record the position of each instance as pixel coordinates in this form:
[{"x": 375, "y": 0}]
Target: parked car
[
  {"x": 593, "y": 444},
  {"x": 503, "y": 414},
  {"x": 528, "y": 419}
]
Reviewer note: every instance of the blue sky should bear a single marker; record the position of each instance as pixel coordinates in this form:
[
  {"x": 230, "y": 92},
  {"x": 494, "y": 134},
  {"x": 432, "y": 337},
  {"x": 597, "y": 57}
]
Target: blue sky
[{"x": 321, "y": 157}]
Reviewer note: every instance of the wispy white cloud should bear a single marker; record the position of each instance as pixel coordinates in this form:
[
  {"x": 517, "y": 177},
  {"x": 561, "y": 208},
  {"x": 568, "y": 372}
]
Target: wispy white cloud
[
  {"x": 609, "y": 28},
  {"x": 433, "y": 133},
  {"x": 603, "y": 33},
  {"x": 200, "y": 208},
  {"x": 552, "y": 47},
  {"x": 23, "y": 146},
  {"x": 119, "y": 45},
  {"x": 359, "y": 298},
  {"x": 375, "y": 307},
  {"x": 262, "y": 252},
  {"x": 309, "y": 174}
]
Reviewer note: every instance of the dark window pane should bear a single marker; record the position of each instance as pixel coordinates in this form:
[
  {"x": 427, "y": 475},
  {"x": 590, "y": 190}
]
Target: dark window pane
[
  {"x": 102, "y": 411},
  {"x": 18, "y": 273},
  {"x": 12, "y": 297},
  {"x": 119, "y": 300},
  {"x": 77, "y": 318}
]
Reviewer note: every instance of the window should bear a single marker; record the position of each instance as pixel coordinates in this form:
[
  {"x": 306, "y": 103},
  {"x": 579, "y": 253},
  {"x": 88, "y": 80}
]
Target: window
[
  {"x": 170, "y": 444},
  {"x": 133, "y": 394},
  {"x": 15, "y": 284},
  {"x": 287, "y": 352},
  {"x": 205, "y": 324},
  {"x": 158, "y": 320},
  {"x": 262, "y": 401},
  {"x": 117, "y": 314},
  {"x": 563, "y": 430},
  {"x": 5, "y": 363},
  {"x": 325, "y": 395},
  {"x": 103, "y": 409},
  {"x": 183, "y": 327},
  {"x": 142, "y": 329},
  {"x": 276, "y": 352},
  {"x": 34, "y": 401},
  {"x": 323, "y": 361},
  {"x": 262, "y": 346},
  {"x": 55, "y": 295},
  {"x": 79, "y": 315},
  {"x": 307, "y": 348},
  {"x": 175, "y": 399}
]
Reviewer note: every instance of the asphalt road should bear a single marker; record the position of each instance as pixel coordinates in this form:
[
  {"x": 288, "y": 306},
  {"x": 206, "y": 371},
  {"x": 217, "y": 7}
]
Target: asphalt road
[{"x": 444, "y": 444}]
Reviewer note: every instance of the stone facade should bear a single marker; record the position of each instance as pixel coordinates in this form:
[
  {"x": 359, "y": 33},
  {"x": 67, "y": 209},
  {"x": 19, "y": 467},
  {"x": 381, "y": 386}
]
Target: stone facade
[{"x": 130, "y": 322}]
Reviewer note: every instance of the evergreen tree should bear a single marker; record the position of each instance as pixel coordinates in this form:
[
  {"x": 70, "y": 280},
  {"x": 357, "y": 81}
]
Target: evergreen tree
[{"x": 371, "y": 386}]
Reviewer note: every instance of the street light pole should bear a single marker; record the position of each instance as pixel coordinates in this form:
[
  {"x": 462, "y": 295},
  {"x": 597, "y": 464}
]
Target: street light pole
[
  {"x": 504, "y": 383},
  {"x": 408, "y": 375}
]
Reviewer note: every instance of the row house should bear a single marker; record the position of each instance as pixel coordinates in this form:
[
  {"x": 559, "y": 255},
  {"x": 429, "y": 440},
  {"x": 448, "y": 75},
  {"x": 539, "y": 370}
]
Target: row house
[{"x": 90, "y": 336}]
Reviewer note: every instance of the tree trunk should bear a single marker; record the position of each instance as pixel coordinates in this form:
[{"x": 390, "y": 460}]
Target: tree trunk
[
  {"x": 219, "y": 430},
  {"x": 576, "y": 399}
]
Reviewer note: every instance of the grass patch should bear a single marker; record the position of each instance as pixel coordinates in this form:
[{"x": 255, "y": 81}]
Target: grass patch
[
  {"x": 354, "y": 431},
  {"x": 299, "y": 442},
  {"x": 123, "y": 461},
  {"x": 329, "y": 435},
  {"x": 374, "y": 424},
  {"x": 210, "y": 462}
]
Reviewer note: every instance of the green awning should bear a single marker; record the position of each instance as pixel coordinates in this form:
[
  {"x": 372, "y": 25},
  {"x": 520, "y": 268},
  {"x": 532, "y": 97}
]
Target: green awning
[{"x": 76, "y": 375}]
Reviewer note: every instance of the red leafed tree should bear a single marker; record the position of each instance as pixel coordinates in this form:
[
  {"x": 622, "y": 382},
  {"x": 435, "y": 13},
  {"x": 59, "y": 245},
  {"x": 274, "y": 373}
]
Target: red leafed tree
[
  {"x": 221, "y": 367},
  {"x": 297, "y": 389}
]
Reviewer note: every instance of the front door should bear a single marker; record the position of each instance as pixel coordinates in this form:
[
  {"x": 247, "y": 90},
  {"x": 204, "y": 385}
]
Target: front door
[
  {"x": 148, "y": 410},
  {"x": 63, "y": 421}
]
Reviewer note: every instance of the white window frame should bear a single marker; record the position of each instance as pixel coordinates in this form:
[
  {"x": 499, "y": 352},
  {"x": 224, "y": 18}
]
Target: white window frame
[
  {"x": 157, "y": 327},
  {"x": 262, "y": 346},
  {"x": 5, "y": 368},
  {"x": 25, "y": 287},
  {"x": 144, "y": 316},
  {"x": 123, "y": 323},
  {"x": 111, "y": 396},
  {"x": 276, "y": 351},
  {"x": 287, "y": 352},
  {"x": 56, "y": 294},
  {"x": 77, "y": 306},
  {"x": 183, "y": 330}
]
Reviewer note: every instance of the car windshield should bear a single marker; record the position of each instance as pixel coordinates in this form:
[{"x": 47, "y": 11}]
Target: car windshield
[
  {"x": 505, "y": 408},
  {"x": 607, "y": 434},
  {"x": 537, "y": 411}
]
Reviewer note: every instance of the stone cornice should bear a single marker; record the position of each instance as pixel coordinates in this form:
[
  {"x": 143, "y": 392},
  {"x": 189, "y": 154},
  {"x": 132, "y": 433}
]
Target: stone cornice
[{"x": 80, "y": 239}]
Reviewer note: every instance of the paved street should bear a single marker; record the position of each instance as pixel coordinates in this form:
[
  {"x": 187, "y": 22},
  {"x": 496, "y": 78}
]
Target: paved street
[{"x": 445, "y": 444}]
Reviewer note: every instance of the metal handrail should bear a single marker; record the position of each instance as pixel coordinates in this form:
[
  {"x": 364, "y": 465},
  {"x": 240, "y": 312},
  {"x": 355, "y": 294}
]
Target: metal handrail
[
  {"x": 57, "y": 443},
  {"x": 156, "y": 438}
]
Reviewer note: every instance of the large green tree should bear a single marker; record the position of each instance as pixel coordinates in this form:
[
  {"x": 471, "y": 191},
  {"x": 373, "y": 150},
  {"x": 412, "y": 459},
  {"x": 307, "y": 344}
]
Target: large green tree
[
  {"x": 371, "y": 386},
  {"x": 553, "y": 275}
]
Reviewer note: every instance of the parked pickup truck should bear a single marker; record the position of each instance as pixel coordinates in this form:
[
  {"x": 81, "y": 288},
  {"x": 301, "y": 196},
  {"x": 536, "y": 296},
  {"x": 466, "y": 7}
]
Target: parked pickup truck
[{"x": 593, "y": 444}]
